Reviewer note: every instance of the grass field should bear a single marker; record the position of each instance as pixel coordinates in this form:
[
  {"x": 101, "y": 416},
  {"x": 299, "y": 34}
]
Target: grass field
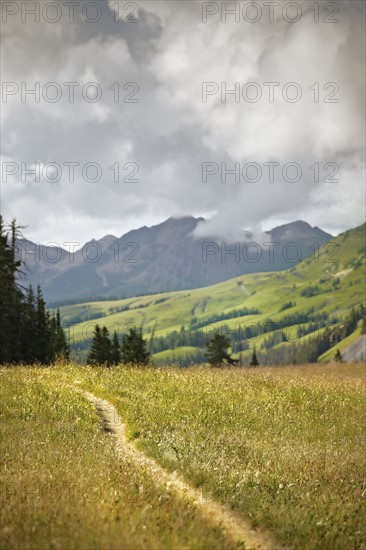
[
  {"x": 284, "y": 447},
  {"x": 63, "y": 486}
]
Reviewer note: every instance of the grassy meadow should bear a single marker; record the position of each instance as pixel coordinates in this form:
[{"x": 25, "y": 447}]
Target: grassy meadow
[
  {"x": 284, "y": 447},
  {"x": 63, "y": 485}
]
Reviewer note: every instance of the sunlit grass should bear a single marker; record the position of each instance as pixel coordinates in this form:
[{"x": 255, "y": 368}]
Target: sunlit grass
[
  {"x": 284, "y": 446},
  {"x": 62, "y": 485}
]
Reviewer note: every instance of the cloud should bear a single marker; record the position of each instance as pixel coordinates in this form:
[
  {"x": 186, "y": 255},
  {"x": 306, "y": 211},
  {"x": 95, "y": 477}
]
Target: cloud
[{"x": 170, "y": 132}]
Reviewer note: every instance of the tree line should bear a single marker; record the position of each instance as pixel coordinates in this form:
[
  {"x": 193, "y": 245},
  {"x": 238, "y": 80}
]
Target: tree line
[
  {"x": 133, "y": 350},
  {"x": 107, "y": 351},
  {"x": 29, "y": 334},
  {"x": 215, "y": 348},
  {"x": 310, "y": 350},
  {"x": 241, "y": 312}
]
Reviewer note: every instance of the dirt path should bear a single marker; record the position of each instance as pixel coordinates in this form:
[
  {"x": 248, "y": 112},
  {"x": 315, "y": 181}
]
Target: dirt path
[{"x": 231, "y": 523}]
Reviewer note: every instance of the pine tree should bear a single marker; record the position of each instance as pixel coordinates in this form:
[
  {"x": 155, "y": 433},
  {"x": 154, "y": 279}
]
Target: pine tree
[
  {"x": 338, "y": 356},
  {"x": 116, "y": 350},
  {"x": 27, "y": 332},
  {"x": 43, "y": 351},
  {"x": 134, "y": 348},
  {"x": 101, "y": 347},
  {"x": 60, "y": 346},
  {"x": 95, "y": 353},
  {"x": 254, "y": 362},
  {"x": 363, "y": 325},
  {"x": 29, "y": 328},
  {"x": 216, "y": 350},
  {"x": 10, "y": 297},
  {"x": 106, "y": 347}
]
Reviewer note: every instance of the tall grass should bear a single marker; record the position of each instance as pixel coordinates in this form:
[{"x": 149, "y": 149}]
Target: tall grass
[
  {"x": 62, "y": 485},
  {"x": 283, "y": 446}
]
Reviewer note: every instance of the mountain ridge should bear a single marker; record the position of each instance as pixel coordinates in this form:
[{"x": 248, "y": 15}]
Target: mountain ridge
[{"x": 160, "y": 258}]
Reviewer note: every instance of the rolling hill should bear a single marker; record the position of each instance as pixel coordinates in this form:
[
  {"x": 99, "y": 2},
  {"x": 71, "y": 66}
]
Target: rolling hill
[
  {"x": 165, "y": 257},
  {"x": 252, "y": 309}
]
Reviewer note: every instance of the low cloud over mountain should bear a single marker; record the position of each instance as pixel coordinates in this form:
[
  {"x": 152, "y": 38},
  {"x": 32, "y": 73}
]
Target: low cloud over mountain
[{"x": 164, "y": 257}]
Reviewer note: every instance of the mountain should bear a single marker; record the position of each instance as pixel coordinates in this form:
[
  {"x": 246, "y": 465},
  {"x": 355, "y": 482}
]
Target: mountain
[
  {"x": 257, "y": 308},
  {"x": 162, "y": 258}
]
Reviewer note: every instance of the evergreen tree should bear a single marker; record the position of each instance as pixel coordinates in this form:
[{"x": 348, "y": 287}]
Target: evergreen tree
[
  {"x": 28, "y": 333},
  {"x": 350, "y": 322},
  {"x": 60, "y": 346},
  {"x": 254, "y": 362},
  {"x": 95, "y": 353},
  {"x": 116, "y": 350},
  {"x": 134, "y": 348},
  {"x": 44, "y": 351},
  {"x": 216, "y": 350},
  {"x": 10, "y": 298},
  {"x": 363, "y": 326},
  {"x": 338, "y": 356},
  {"x": 101, "y": 348},
  {"x": 106, "y": 346},
  {"x": 28, "y": 328}
]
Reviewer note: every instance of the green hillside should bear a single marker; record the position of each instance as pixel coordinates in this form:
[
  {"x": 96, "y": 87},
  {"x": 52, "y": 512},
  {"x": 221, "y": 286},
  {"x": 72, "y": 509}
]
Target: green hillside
[
  {"x": 318, "y": 292},
  {"x": 343, "y": 344}
]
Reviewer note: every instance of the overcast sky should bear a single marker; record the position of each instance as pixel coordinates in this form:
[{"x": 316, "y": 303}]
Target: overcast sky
[{"x": 171, "y": 130}]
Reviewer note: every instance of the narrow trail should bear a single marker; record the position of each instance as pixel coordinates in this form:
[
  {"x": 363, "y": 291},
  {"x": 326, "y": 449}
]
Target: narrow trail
[{"x": 231, "y": 523}]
